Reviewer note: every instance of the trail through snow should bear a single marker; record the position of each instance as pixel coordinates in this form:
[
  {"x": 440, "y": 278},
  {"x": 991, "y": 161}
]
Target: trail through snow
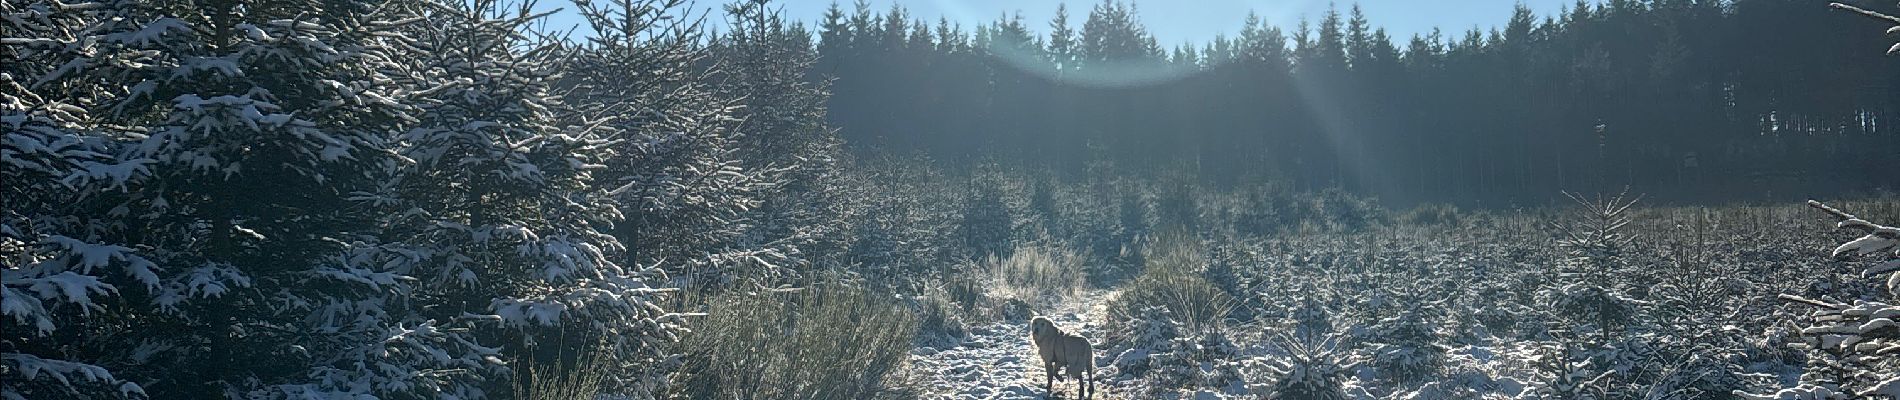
[{"x": 998, "y": 362}]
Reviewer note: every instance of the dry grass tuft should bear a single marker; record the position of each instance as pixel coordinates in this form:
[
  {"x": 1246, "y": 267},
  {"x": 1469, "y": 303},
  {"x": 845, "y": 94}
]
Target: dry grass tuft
[
  {"x": 1038, "y": 274},
  {"x": 829, "y": 342}
]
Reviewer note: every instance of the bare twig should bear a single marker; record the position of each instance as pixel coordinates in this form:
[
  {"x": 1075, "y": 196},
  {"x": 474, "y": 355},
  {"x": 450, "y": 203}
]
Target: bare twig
[
  {"x": 1851, "y": 221},
  {"x": 1895, "y": 30},
  {"x": 1869, "y": 13},
  {"x": 1803, "y": 300}
]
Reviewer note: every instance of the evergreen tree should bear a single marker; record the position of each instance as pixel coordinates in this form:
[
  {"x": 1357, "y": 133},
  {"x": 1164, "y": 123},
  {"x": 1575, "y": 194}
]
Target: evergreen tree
[
  {"x": 504, "y": 207},
  {"x": 197, "y": 163},
  {"x": 1263, "y": 45},
  {"x": 987, "y": 224},
  {"x": 1062, "y": 39},
  {"x": 834, "y": 39},
  {"x": 782, "y": 135},
  {"x": 1112, "y": 35},
  {"x": 1329, "y": 49},
  {"x": 676, "y": 175}
]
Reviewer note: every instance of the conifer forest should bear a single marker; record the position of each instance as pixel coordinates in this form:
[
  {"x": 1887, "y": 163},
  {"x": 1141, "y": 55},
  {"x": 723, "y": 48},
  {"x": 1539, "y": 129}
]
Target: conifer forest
[{"x": 735, "y": 199}]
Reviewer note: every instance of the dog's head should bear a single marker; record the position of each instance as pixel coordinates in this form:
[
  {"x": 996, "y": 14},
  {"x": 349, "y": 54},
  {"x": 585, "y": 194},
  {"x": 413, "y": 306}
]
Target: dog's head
[{"x": 1041, "y": 327}]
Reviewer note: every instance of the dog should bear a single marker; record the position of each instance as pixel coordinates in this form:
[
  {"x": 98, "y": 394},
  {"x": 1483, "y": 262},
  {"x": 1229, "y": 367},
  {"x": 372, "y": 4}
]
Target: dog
[{"x": 1063, "y": 351}]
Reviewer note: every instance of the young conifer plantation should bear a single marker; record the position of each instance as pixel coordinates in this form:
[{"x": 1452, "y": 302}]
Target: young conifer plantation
[{"x": 644, "y": 199}]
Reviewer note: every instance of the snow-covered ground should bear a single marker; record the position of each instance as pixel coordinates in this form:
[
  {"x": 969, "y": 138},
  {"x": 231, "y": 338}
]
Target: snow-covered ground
[{"x": 997, "y": 360}]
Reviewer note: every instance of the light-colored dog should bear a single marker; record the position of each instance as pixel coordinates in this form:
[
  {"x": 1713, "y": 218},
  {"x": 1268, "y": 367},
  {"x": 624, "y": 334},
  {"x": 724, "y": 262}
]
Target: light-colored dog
[{"x": 1063, "y": 351}]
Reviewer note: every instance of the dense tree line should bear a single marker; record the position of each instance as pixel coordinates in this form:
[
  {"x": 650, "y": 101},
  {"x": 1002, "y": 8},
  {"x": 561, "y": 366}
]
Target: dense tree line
[{"x": 1683, "y": 99}]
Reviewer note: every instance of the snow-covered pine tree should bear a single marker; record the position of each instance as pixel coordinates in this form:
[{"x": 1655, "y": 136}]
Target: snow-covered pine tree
[
  {"x": 901, "y": 215},
  {"x": 764, "y": 61},
  {"x": 1592, "y": 293},
  {"x": 182, "y": 172},
  {"x": 988, "y": 226},
  {"x": 1406, "y": 348},
  {"x": 500, "y": 216},
  {"x": 643, "y": 81},
  {"x": 51, "y": 276},
  {"x": 1309, "y": 368}
]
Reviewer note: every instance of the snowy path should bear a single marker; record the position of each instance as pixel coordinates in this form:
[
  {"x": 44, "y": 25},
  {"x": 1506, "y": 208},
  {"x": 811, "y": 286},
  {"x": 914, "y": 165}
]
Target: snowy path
[{"x": 997, "y": 361}]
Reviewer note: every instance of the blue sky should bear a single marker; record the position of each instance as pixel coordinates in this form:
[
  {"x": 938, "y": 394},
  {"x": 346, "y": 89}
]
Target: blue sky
[{"x": 1178, "y": 21}]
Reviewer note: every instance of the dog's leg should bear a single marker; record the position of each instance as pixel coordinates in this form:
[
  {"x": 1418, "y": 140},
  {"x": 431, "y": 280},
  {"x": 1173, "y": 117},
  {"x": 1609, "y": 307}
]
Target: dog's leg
[
  {"x": 1049, "y": 376},
  {"x": 1080, "y": 389},
  {"x": 1089, "y": 378}
]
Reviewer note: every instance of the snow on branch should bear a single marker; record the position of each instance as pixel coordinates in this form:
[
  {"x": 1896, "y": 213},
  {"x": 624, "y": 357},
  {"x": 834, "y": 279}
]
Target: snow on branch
[
  {"x": 1879, "y": 237},
  {"x": 1866, "y": 12},
  {"x": 70, "y": 378}
]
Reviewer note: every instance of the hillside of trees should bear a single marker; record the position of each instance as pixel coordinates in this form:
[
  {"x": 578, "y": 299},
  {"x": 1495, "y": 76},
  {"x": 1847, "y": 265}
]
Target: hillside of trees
[
  {"x": 453, "y": 199},
  {"x": 1688, "y": 101}
]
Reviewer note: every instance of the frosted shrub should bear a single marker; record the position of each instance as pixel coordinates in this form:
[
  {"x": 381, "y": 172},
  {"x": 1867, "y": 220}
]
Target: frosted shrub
[
  {"x": 1311, "y": 368},
  {"x": 1431, "y": 214},
  {"x": 1405, "y": 348},
  {"x": 1499, "y": 317},
  {"x": 986, "y": 225},
  {"x": 1172, "y": 278},
  {"x": 1347, "y": 212},
  {"x": 1567, "y": 377},
  {"x": 1587, "y": 303},
  {"x": 1216, "y": 361},
  {"x": 1154, "y": 347},
  {"x": 1149, "y": 330},
  {"x": 1266, "y": 211},
  {"x": 1311, "y": 319},
  {"x": 940, "y": 320},
  {"x": 901, "y": 223},
  {"x": 1177, "y": 207},
  {"x": 1207, "y": 360},
  {"x": 1197, "y": 304},
  {"x": 1698, "y": 376}
]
